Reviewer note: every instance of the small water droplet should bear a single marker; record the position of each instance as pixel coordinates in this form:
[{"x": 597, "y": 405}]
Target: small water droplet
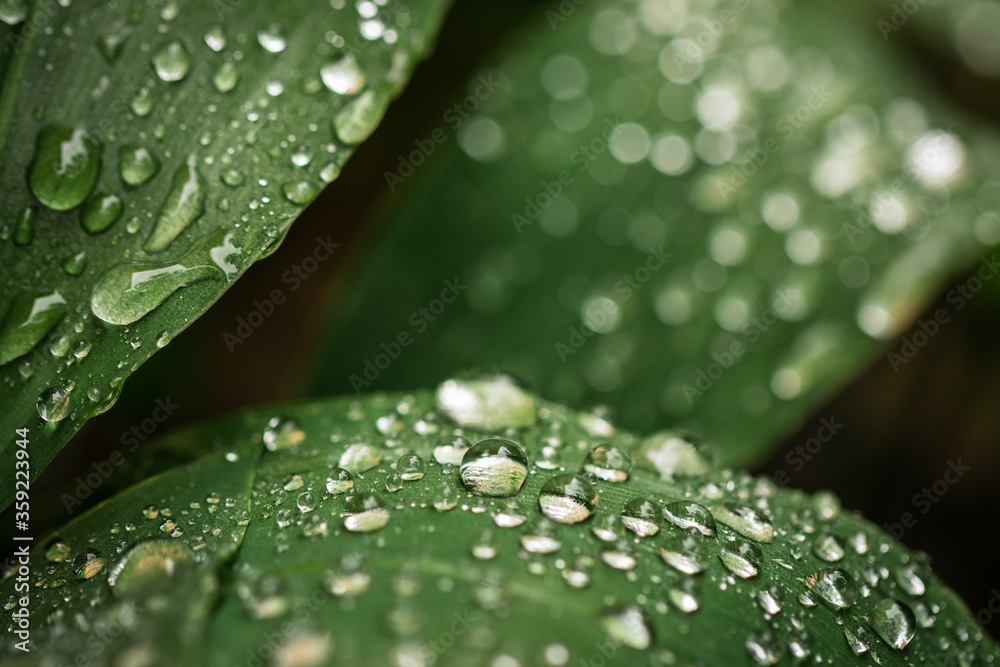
[
  {"x": 686, "y": 553},
  {"x": 642, "y": 517},
  {"x": 271, "y": 39},
  {"x": 834, "y": 586},
  {"x": 172, "y": 62},
  {"x": 136, "y": 164},
  {"x": 339, "y": 481},
  {"x": 445, "y": 497},
  {"x": 686, "y": 515},
  {"x": 745, "y": 520},
  {"x": 608, "y": 527},
  {"x": 300, "y": 192},
  {"x": 673, "y": 454},
  {"x": 65, "y": 168},
  {"x": 102, "y": 212},
  {"x": 57, "y": 551},
  {"x": 411, "y": 467},
  {"x": 628, "y": 627},
  {"x": 226, "y": 77},
  {"x": 343, "y": 76},
  {"x": 359, "y": 117},
  {"x": 53, "y": 404},
  {"x": 741, "y": 558}
]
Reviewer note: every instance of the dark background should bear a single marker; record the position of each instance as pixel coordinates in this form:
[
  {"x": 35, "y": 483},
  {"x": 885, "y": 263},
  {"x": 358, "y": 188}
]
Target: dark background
[{"x": 900, "y": 429}]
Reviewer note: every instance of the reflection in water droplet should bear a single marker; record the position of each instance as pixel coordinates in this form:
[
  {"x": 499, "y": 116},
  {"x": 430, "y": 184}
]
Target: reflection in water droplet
[
  {"x": 609, "y": 463},
  {"x": 172, "y": 62},
  {"x": 764, "y": 648},
  {"x": 567, "y": 499},
  {"x": 411, "y": 467},
  {"x": 642, "y": 517},
  {"x": 686, "y": 515},
  {"x": 894, "y": 622},
  {"x": 53, "y": 404},
  {"x": 184, "y": 204},
  {"x": 343, "y": 76},
  {"x": 65, "y": 168},
  {"x": 365, "y": 513},
  {"x": 339, "y": 481},
  {"x": 608, "y": 527},
  {"x": 494, "y": 467},
  {"x": 445, "y": 497},
  {"x": 30, "y": 318},
  {"x": 741, "y": 558},
  {"x": 834, "y": 586}
]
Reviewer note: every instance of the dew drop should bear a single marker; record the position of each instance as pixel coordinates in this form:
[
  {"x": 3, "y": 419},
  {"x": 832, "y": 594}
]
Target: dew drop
[
  {"x": 300, "y": 192},
  {"x": 172, "y": 62},
  {"x": 608, "y": 527},
  {"x": 365, "y": 513},
  {"x": 359, "y": 457},
  {"x": 893, "y": 622},
  {"x": 628, "y": 627},
  {"x": 745, "y": 520},
  {"x": 226, "y": 77},
  {"x": 30, "y": 318},
  {"x": 393, "y": 482},
  {"x": 673, "y": 454},
  {"x": 642, "y": 517},
  {"x": 834, "y": 586},
  {"x": 339, "y": 481},
  {"x": 509, "y": 515},
  {"x": 609, "y": 463},
  {"x": 148, "y": 566},
  {"x": 567, "y": 499},
  {"x": 53, "y": 404},
  {"x": 451, "y": 450},
  {"x": 494, "y": 467},
  {"x": 65, "y": 168},
  {"x": 411, "y": 467},
  {"x": 359, "y": 117},
  {"x": 828, "y": 548},
  {"x": 343, "y": 76},
  {"x": 136, "y": 164},
  {"x": 490, "y": 403},
  {"x": 57, "y": 551},
  {"x": 445, "y": 497},
  {"x": 271, "y": 39},
  {"x": 102, "y": 212},
  {"x": 686, "y": 553},
  {"x": 686, "y": 515},
  {"x": 741, "y": 558},
  {"x": 184, "y": 204}
]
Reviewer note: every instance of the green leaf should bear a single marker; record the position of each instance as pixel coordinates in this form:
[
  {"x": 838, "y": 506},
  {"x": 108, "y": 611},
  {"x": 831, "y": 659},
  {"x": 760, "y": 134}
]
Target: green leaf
[
  {"x": 780, "y": 198},
  {"x": 393, "y": 570},
  {"x": 150, "y": 155}
]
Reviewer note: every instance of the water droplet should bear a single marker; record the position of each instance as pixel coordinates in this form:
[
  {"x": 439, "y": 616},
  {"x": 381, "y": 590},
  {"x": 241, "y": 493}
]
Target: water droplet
[
  {"x": 30, "y": 318},
  {"x": 306, "y": 502},
  {"x": 127, "y": 292},
  {"x": 282, "y": 433},
  {"x": 271, "y": 39},
  {"x": 65, "y": 168},
  {"x": 628, "y": 627},
  {"x": 393, "y": 482},
  {"x": 485, "y": 547},
  {"x": 184, "y": 204},
  {"x": 642, "y": 517},
  {"x": 489, "y": 403},
  {"x": 343, "y": 76},
  {"x": 770, "y": 599},
  {"x": 608, "y": 527},
  {"x": 102, "y": 212},
  {"x": 686, "y": 553},
  {"x": 411, "y": 467},
  {"x": 136, "y": 164},
  {"x": 348, "y": 577},
  {"x": 609, "y": 463},
  {"x": 494, "y": 467},
  {"x": 365, "y": 513},
  {"x": 88, "y": 563},
  {"x": 359, "y": 117},
  {"x": 445, "y": 497},
  {"x": 745, "y": 520},
  {"x": 764, "y": 648},
  {"x": 226, "y": 77},
  {"x": 172, "y": 62},
  {"x": 142, "y": 103},
  {"x": 263, "y": 596},
  {"x": 741, "y": 558},
  {"x": 300, "y": 192},
  {"x": 233, "y": 178},
  {"x": 216, "y": 38},
  {"x": 339, "y": 481},
  {"x": 673, "y": 454},
  {"x": 910, "y": 581},
  {"x": 451, "y": 450},
  {"x": 540, "y": 537},
  {"x": 13, "y": 12},
  {"x": 828, "y": 548},
  {"x": 509, "y": 515},
  {"x": 74, "y": 265},
  {"x": 686, "y": 515},
  {"x": 57, "y": 551},
  {"x": 53, "y": 404},
  {"x": 148, "y": 566},
  {"x": 893, "y": 622},
  {"x": 834, "y": 586},
  {"x": 359, "y": 457},
  {"x": 567, "y": 499},
  {"x": 24, "y": 228}
]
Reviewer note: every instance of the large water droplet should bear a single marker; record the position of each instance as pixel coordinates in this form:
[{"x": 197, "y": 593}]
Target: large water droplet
[
  {"x": 687, "y": 514},
  {"x": 30, "y": 318},
  {"x": 343, "y": 76},
  {"x": 148, "y": 566},
  {"x": 609, "y": 463},
  {"x": 102, "y": 212},
  {"x": 184, "y": 204},
  {"x": 359, "y": 457},
  {"x": 673, "y": 454},
  {"x": 411, "y": 467},
  {"x": 129, "y": 291},
  {"x": 66, "y": 165},
  {"x": 567, "y": 499},
  {"x": 172, "y": 62},
  {"x": 686, "y": 553},
  {"x": 489, "y": 403},
  {"x": 494, "y": 467},
  {"x": 893, "y": 621},
  {"x": 339, "y": 481},
  {"x": 642, "y": 517},
  {"x": 834, "y": 586},
  {"x": 359, "y": 117},
  {"x": 53, "y": 404},
  {"x": 365, "y": 513},
  {"x": 136, "y": 164},
  {"x": 741, "y": 558},
  {"x": 745, "y": 520}
]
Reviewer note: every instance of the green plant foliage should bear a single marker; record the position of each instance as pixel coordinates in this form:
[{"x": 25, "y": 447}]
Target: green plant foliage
[
  {"x": 710, "y": 219},
  {"x": 151, "y": 153},
  {"x": 365, "y": 545}
]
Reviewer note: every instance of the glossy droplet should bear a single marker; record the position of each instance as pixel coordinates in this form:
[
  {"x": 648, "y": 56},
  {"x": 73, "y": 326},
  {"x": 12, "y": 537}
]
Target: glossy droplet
[
  {"x": 111, "y": 43},
  {"x": 75, "y": 264},
  {"x": 686, "y": 515},
  {"x": 184, "y": 204},
  {"x": 127, "y": 292},
  {"x": 300, "y": 192},
  {"x": 172, "y": 62},
  {"x": 359, "y": 117},
  {"x": 828, "y": 548},
  {"x": 834, "y": 586},
  {"x": 745, "y": 520},
  {"x": 359, "y": 457},
  {"x": 365, "y": 513},
  {"x": 148, "y": 566},
  {"x": 57, "y": 551},
  {"x": 673, "y": 454},
  {"x": 136, "y": 164},
  {"x": 628, "y": 627},
  {"x": 13, "y": 12},
  {"x": 509, "y": 515},
  {"x": 608, "y": 528},
  {"x": 263, "y": 597},
  {"x": 88, "y": 563},
  {"x": 686, "y": 553},
  {"x": 343, "y": 76},
  {"x": 910, "y": 581},
  {"x": 348, "y": 577},
  {"x": 485, "y": 547},
  {"x": 893, "y": 621},
  {"x": 393, "y": 482},
  {"x": 142, "y": 103},
  {"x": 226, "y": 77},
  {"x": 30, "y": 318},
  {"x": 411, "y": 467},
  {"x": 741, "y": 558},
  {"x": 771, "y": 599},
  {"x": 540, "y": 537},
  {"x": 282, "y": 433},
  {"x": 489, "y": 403},
  {"x": 642, "y": 517},
  {"x": 764, "y": 648},
  {"x": 102, "y": 212},
  {"x": 609, "y": 463},
  {"x": 65, "y": 168},
  {"x": 216, "y": 38},
  {"x": 445, "y": 497},
  {"x": 271, "y": 39},
  {"x": 339, "y": 481},
  {"x": 53, "y": 404},
  {"x": 451, "y": 450},
  {"x": 567, "y": 499},
  {"x": 494, "y": 467},
  {"x": 24, "y": 227},
  {"x": 306, "y": 502}
]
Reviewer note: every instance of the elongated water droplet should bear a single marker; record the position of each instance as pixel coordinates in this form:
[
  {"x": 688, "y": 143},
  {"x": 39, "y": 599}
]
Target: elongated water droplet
[
  {"x": 910, "y": 581},
  {"x": 642, "y": 517},
  {"x": 226, "y": 77},
  {"x": 771, "y": 599},
  {"x": 893, "y": 621},
  {"x": 66, "y": 165},
  {"x": 686, "y": 514},
  {"x": 75, "y": 264},
  {"x": 745, "y": 520},
  {"x": 136, "y": 164},
  {"x": 445, "y": 497},
  {"x": 359, "y": 117},
  {"x": 102, "y": 212},
  {"x": 609, "y": 463},
  {"x": 127, "y": 292},
  {"x": 148, "y": 566},
  {"x": 24, "y": 227},
  {"x": 172, "y": 62},
  {"x": 30, "y": 318},
  {"x": 184, "y": 204},
  {"x": 628, "y": 627},
  {"x": 834, "y": 586},
  {"x": 673, "y": 454},
  {"x": 343, "y": 76},
  {"x": 567, "y": 499},
  {"x": 828, "y": 548},
  {"x": 764, "y": 648},
  {"x": 494, "y": 467},
  {"x": 365, "y": 513},
  {"x": 489, "y": 403}
]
